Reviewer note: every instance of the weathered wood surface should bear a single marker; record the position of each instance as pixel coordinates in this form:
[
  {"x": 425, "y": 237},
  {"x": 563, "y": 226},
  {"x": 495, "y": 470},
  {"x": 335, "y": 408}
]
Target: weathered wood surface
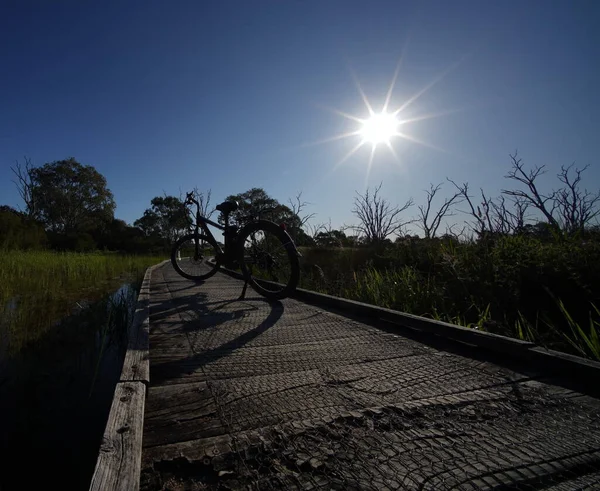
[
  {"x": 136, "y": 364},
  {"x": 118, "y": 465},
  {"x": 287, "y": 396}
]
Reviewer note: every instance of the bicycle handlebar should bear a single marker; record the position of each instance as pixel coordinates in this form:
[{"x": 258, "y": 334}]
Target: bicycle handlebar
[{"x": 189, "y": 198}]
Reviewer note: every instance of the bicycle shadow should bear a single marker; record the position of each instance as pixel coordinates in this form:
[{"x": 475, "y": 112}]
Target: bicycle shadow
[
  {"x": 194, "y": 305},
  {"x": 197, "y": 315}
]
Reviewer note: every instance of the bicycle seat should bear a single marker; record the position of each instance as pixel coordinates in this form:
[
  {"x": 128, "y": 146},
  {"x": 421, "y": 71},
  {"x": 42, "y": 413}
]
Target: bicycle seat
[{"x": 227, "y": 207}]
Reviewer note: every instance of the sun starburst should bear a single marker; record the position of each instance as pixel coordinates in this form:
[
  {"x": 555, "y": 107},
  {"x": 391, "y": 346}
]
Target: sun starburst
[
  {"x": 383, "y": 127},
  {"x": 379, "y": 128}
]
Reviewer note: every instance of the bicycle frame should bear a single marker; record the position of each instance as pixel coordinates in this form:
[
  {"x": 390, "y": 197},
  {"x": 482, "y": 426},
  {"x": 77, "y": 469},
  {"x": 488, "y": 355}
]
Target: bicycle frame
[
  {"x": 202, "y": 223},
  {"x": 225, "y": 255}
]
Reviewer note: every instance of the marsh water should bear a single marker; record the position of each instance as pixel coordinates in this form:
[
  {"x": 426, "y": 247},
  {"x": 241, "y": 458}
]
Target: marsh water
[{"x": 55, "y": 393}]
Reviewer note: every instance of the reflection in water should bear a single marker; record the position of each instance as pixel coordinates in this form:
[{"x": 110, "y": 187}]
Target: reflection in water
[{"x": 55, "y": 394}]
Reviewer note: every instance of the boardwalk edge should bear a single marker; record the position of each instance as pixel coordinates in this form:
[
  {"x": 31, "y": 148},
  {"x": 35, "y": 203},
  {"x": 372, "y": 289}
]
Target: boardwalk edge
[
  {"x": 566, "y": 364},
  {"x": 524, "y": 350},
  {"x": 119, "y": 460}
]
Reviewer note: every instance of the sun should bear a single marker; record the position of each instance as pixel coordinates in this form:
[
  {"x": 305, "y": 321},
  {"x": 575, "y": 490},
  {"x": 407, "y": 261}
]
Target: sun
[{"x": 379, "y": 128}]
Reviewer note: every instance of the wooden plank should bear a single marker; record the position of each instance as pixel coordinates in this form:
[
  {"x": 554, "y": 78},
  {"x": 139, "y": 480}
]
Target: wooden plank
[
  {"x": 119, "y": 461},
  {"x": 180, "y": 413},
  {"x": 136, "y": 366},
  {"x": 280, "y": 381},
  {"x": 194, "y": 450}
]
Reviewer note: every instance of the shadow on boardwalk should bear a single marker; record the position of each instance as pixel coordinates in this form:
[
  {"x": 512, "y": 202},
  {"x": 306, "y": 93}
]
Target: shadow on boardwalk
[
  {"x": 201, "y": 314},
  {"x": 247, "y": 394}
]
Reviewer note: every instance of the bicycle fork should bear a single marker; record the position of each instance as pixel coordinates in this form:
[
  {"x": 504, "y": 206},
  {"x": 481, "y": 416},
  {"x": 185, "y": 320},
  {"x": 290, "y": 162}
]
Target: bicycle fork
[
  {"x": 246, "y": 278},
  {"x": 243, "y": 294}
]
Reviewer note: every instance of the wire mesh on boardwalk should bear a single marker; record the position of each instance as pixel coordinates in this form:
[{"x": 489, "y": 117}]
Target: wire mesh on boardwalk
[
  {"x": 251, "y": 395},
  {"x": 498, "y": 439}
]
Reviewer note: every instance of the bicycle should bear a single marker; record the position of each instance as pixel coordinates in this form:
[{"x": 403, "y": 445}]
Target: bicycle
[{"x": 273, "y": 274}]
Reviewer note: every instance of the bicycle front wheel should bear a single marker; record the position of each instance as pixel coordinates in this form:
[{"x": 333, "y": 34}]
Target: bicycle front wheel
[
  {"x": 269, "y": 259},
  {"x": 194, "y": 257}
]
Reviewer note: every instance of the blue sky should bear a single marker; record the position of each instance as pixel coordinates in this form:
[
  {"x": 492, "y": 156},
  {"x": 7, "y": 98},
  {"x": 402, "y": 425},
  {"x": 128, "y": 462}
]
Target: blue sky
[{"x": 164, "y": 96}]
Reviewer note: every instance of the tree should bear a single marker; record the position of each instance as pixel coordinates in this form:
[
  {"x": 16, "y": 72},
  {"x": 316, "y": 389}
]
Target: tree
[
  {"x": 17, "y": 231},
  {"x": 256, "y": 204},
  {"x": 253, "y": 204},
  {"x": 203, "y": 202},
  {"x": 569, "y": 209},
  {"x": 332, "y": 238},
  {"x": 430, "y": 224},
  {"x": 66, "y": 196},
  {"x": 168, "y": 218},
  {"x": 149, "y": 223},
  {"x": 576, "y": 207},
  {"x": 25, "y": 187},
  {"x": 298, "y": 220},
  {"x": 119, "y": 236},
  {"x": 545, "y": 203},
  {"x": 378, "y": 218},
  {"x": 297, "y": 207},
  {"x": 492, "y": 217}
]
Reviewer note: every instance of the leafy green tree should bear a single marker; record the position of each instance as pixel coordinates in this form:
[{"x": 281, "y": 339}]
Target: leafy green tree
[
  {"x": 301, "y": 238},
  {"x": 148, "y": 223},
  {"x": 68, "y": 197},
  {"x": 167, "y": 218},
  {"x": 332, "y": 238},
  {"x": 253, "y": 204},
  {"x": 119, "y": 236},
  {"x": 17, "y": 231},
  {"x": 257, "y": 204}
]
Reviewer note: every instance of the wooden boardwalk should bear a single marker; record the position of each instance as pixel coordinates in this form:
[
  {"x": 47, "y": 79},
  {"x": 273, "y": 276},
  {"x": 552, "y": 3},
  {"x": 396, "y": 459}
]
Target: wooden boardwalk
[{"x": 252, "y": 395}]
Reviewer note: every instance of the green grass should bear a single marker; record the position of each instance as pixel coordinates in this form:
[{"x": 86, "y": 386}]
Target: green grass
[
  {"x": 509, "y": 286},
  {"x": 39, "y": 288},
  {"x": 117, "y": 312},
  {"x": 585, "y": 341},
  {"x": 62, "y": 375}
]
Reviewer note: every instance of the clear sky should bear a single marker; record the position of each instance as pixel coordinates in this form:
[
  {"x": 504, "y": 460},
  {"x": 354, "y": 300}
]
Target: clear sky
[{"x": 162, "y": 96}]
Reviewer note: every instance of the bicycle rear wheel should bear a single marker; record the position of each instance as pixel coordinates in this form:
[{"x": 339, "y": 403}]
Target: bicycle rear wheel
[
  {"x": 195, "y": 263},
  {"x": 269, "y": 259}
]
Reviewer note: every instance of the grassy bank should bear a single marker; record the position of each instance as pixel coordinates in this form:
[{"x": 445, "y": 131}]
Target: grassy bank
[
  {"x": 521, "y": 287},
  {"x": 62, "y": 375},
  {"x": 39, "y": 288}
]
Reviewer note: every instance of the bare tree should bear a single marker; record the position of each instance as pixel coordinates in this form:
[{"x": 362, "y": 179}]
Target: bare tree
[
  {"x": 204, "y": 201},
  {"x": 317, "y": 228},
  {"x": 325, "y": 230},
  {"x": 314, "y": 228},
  {"x": 378, "y": 218},
  {"x": 297, "y": 206},
  {"x": 460, "y": 236},
  {"x": 481, "y": 225},
  {"x": 505, "y": 220},
  {"x": 25, "y": 186},
  {"x": 519, "y": 217},
  {"x": 430, "y": 228},
  {"x": 569, "y": 208},
  {"x": 576, "y": 208},
  {"x": 546, "y": 204},
  {"x": 494, "y": 216}
]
